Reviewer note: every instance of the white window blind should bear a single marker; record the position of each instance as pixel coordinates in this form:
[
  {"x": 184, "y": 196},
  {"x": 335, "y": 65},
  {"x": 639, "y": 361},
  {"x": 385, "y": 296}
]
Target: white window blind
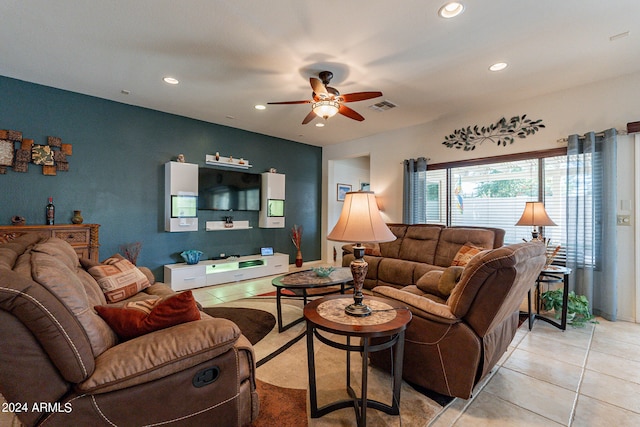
[{"x": 494, "y": 195}]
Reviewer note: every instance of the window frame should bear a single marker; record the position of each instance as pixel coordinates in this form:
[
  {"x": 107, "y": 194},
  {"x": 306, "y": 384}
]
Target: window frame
[{"x": 529, "y": 155}]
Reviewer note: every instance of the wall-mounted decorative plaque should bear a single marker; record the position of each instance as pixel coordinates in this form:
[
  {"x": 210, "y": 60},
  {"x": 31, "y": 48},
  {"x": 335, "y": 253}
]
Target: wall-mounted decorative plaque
[{"x": 17, "y": 152}]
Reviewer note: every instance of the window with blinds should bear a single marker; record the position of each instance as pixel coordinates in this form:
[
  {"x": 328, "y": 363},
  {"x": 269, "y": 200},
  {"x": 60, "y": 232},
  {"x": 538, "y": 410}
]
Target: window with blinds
[{"x": 493, "y": 194}]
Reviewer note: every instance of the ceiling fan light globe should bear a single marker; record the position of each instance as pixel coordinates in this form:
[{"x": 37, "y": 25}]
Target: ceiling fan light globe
[{"x": 325, "y": 108}]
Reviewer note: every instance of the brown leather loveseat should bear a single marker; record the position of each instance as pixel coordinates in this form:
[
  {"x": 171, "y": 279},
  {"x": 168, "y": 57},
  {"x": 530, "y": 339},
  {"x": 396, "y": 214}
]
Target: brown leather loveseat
[
  {"x": 61, "y": 364},
  {"x": 453, "y": 341}
]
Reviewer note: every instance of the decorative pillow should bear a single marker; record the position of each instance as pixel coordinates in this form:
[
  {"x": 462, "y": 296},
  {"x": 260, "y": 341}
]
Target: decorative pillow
[
  {"x": 141, "y": 317},
  {"x": 466, "y": 252},
  {"x": 372, "y": 249},
  {"x": 149, "y": 274},
  {"x": 449, "y": 279},
  {"x": 429, "y": 282},
  {"x": 118, "y": 278}
]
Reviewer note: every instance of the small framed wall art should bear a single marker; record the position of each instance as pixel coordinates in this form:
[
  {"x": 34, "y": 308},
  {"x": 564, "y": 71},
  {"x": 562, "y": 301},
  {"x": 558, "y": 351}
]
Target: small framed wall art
[{"x": 343, "y": 189}]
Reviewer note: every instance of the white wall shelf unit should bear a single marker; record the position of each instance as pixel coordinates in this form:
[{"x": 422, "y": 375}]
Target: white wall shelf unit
[
  {"x": 220, "y": 226},
  {"x": 272, "y": 201},
  {"x": 181, "y": 195},
  {"x": 183, "y": 276},
  {"x": 227, "y": 162}
]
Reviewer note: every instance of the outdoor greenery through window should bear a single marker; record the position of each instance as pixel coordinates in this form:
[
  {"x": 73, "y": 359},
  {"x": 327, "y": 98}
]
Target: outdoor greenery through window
[{"x": 493, "y": 194}]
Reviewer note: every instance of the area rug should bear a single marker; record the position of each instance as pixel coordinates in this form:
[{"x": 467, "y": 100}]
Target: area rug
[
  {"x": 283, "y": 378},
  {"x": 280, "y": 406},
  {"x": 254, "y": 324}
]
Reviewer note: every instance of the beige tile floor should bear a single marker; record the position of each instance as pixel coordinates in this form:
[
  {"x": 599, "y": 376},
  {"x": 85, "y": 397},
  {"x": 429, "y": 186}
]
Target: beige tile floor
[{"x": 581, "y": 377}]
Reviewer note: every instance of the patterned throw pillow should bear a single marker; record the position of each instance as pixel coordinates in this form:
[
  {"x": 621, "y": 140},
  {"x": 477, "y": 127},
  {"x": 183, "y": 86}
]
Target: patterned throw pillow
[
  {"x": 118, "y": 278},
  {"x": 466, "y": 252},
  {"x": 140, "y": 317},
  {"x": 372, "y": 249}
]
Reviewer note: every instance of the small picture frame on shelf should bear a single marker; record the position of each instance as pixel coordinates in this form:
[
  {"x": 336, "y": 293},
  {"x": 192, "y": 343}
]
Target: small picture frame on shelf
[{"x": 343, "y": 189}]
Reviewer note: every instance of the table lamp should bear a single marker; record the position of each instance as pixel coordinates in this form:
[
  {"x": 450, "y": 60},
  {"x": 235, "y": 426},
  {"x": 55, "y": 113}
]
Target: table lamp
[
  {"x": 535, "y": 215},
  {"x": 360, "y": 221}
]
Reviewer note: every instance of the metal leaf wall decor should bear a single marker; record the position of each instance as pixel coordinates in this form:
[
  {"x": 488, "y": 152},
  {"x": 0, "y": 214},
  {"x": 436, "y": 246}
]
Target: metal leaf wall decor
[{"x": 502, "y": 132}]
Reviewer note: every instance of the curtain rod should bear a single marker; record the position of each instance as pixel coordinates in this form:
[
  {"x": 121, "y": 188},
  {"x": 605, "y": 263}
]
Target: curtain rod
[
  {"x": 619, "y": 131},
  {"x": 428, "y": 159}
]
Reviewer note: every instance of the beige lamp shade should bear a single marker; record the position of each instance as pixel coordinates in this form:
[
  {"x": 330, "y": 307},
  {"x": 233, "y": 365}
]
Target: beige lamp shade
[
  {"x": 360, "y": 220},
  {"x": 534, "y": 214}
]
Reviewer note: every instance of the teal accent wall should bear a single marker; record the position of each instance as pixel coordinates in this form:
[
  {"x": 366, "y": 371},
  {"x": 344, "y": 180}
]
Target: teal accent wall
[{"x": 116, "y": 174}]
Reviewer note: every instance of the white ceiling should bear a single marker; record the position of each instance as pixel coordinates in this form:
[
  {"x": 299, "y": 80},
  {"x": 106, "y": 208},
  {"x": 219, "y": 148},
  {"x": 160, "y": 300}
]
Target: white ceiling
[{"x": 231, "y": 55}]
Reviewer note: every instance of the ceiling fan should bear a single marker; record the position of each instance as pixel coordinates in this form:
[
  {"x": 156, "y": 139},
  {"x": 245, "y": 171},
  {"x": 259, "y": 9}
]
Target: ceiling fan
[{"x": 327, "y": 101}]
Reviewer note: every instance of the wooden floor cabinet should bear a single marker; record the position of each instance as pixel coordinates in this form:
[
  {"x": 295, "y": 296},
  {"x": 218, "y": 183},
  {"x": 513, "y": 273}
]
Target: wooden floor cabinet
[{"x": 83, "y": 237}]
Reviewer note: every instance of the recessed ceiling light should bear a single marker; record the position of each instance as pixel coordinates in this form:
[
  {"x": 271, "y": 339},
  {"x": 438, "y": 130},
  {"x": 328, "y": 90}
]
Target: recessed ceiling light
[
  {"x": 498, "y": 66},
  {"x": 171, "y": 80},
  {"x": 260, "y": 107},
  {"x": 451, "y": 10},
  {"x": 320, "y": 125}
]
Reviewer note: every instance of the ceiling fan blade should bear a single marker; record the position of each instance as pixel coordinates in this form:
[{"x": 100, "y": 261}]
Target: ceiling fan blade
[
  {"x": 290, "y": 102},
  {"x": 309, "y": 117},
  {"x": 317, "y": 86},
  {"x": 360, "y": 96},
  {"x": 352, "y": 114}
]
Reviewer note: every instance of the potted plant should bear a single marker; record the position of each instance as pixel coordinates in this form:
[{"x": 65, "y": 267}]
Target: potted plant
[{"x": 578, "y": 312}]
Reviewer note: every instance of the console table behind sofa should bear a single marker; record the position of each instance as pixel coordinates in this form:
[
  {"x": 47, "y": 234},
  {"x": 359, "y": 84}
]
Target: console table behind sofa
[{"x": 83, "y": 237}]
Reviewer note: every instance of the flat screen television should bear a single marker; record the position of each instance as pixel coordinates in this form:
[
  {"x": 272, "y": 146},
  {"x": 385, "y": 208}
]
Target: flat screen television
[
  {"x": 184, "y": 206},
  {"x": 228, "y": 190}
]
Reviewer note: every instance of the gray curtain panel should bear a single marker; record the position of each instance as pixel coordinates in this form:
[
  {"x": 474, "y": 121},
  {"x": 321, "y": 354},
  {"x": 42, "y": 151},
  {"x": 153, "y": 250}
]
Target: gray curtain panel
[
  {"x": 414, "y": 193},
  {"x": 591, "y": 219}
]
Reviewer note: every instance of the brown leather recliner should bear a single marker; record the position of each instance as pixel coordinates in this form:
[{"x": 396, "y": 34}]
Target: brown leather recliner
[
  {"x": 451, "y": 344},
  {"x": 61, "y": 365}
]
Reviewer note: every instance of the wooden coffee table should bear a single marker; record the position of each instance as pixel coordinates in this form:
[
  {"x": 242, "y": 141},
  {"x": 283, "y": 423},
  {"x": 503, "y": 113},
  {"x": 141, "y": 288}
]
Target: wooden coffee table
[
  {"x": 305, "y": 284},
  {"x": 388, "y": 320}
]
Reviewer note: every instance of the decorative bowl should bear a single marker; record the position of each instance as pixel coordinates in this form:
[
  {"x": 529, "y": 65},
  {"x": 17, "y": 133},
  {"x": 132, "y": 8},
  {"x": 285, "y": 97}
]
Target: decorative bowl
[
  {"x": 323, "y": 271},
  {"x": 191, "y": 256}
]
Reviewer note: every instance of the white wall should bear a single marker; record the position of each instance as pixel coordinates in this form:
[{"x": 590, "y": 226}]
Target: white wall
[
  {"x": 595, "y": 107},
  {"x": 352, "y": 171}
]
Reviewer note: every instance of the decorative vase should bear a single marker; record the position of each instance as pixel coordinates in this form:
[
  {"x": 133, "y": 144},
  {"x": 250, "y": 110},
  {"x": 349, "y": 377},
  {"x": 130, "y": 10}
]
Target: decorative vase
[
  {"x": 191, "y": 256},
  {"x": 77, "y": 217},
  {"x": 18, "y": 220},
  {"x": 299, "y": 259}
]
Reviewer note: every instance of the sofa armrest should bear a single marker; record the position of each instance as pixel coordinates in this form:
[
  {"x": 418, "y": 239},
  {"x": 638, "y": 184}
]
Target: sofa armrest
[
  {"x": 159, "y": 289},
  {"x": 160, "y": 353},
  {"x": 419, "y": 305}
]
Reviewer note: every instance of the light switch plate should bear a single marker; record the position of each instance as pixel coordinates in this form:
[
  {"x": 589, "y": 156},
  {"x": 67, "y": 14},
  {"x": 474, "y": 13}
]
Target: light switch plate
[{"x": 624, "y": 220}]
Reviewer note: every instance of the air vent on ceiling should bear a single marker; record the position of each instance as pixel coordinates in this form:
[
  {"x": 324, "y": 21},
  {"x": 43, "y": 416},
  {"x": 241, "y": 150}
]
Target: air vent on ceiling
[{"x": 383, "y": 106}]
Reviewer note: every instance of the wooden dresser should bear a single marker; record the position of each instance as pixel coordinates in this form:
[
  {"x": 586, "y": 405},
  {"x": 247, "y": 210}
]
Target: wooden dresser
[{"x": 83, "y": 237}]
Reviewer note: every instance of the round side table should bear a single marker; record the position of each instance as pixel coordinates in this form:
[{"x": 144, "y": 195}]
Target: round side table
[
  {"x": 305, "y": 284},
  {"x": 389, "y": 319},
  {"x": 551, "y": 274}
]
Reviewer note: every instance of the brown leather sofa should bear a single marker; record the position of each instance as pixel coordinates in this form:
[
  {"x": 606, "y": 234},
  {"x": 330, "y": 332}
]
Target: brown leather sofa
[
  {"x": 418, "y": 249},
  {"x": 453, "y": 344},
  {"x": 62, "y": 365}
]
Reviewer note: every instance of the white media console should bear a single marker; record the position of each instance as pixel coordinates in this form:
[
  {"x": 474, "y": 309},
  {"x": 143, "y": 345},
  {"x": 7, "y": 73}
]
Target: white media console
[{"x": 183, "y": 276}]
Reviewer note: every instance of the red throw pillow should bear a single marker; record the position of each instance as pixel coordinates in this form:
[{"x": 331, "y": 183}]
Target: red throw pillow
[{"x": 130, "y": 322}]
